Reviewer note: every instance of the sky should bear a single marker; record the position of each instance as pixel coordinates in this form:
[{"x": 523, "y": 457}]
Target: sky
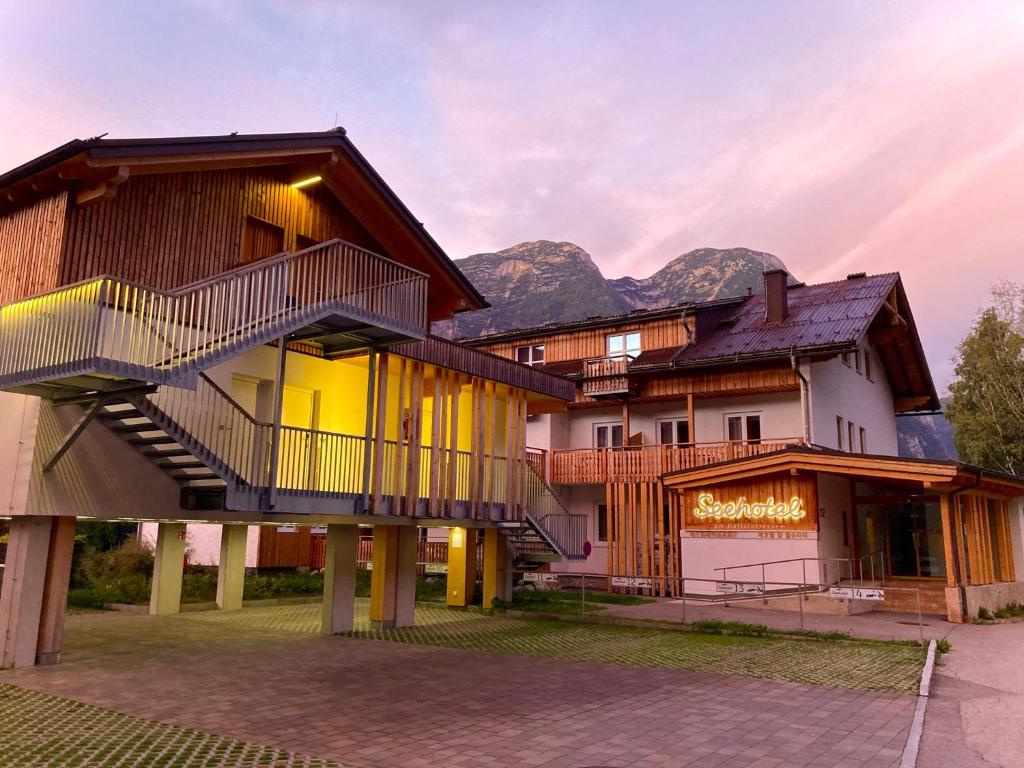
[{"x": 840, "y": 136}]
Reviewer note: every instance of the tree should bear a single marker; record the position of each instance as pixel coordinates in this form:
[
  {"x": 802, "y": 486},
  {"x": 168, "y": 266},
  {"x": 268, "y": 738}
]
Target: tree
[{"x": 987, "y": 406}]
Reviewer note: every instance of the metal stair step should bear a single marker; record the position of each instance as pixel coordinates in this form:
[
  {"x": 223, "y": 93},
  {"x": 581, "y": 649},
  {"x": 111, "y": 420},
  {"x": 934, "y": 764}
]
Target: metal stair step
[
  {"x": 163, "y": 454},
  {"x": 148, "y": 427},
  {"x": 163, "y": 439},
  {"x": 175, "y": 464}
]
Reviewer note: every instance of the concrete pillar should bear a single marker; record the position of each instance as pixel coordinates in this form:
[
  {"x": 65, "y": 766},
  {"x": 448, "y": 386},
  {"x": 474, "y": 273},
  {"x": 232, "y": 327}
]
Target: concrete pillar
[
  {"x": 497, "y": 574},
  {"x": 55, "y": 591},
  {"x": 461, "y": 566},
  {"x": 165, "y": 594},
  {"x": 231, "y": 568},
  {"x": 393, "y": 579},
  {"x": 21, "y": 599},
  {"x": 340, "y": 553}
]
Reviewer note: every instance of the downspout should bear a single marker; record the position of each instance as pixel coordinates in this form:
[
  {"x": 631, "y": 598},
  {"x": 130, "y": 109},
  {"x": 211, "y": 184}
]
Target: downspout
[
  {"x": 805, "y": 397},
  {"x": 953, "y": 533}
]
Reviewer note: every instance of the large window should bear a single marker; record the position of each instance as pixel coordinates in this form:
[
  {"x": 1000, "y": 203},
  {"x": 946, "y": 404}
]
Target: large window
[
  {"x": 532, "y": 354},
  {"x": 619, "y": 344},
  {"x": 608, "y": 435},
  {"x": 260, "y": 239},
  {"x": 743, "y": 427},
  {"x": 840, "y": 430},
  {"x": 673, "y": 431}
]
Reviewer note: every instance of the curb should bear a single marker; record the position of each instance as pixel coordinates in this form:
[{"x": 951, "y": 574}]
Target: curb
[{"x": 913, "y": 745}]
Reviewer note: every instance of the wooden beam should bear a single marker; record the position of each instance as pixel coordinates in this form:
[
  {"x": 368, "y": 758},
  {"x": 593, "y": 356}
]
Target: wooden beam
[
  {"x": 101, "y": 189},
  {"x": 901, "y": 404}
]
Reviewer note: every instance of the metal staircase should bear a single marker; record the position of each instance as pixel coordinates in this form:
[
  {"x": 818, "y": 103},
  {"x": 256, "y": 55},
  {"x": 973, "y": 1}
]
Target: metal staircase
[
  {"x": 548, "y": 532},
  {"x": 98, "y": 334}
]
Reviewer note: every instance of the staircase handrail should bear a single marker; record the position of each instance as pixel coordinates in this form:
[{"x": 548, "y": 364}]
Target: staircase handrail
[
  {"x": 155, "y": 335},
  {"x": 565, "y": 531}
]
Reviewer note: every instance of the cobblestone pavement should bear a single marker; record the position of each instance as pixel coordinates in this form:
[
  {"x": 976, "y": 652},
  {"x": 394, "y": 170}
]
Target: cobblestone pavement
[{"x": 376, "y": 704}]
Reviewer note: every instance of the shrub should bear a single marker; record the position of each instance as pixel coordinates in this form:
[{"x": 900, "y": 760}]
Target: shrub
[
  {"x": 942, "y": 646},
  {"x": 133, "y": 558},
  {"x": 984, "y": 614}
]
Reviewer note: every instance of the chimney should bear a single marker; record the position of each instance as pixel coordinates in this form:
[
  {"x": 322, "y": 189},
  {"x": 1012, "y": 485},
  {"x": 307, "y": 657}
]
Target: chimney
[{"x": 776, "y": 298}]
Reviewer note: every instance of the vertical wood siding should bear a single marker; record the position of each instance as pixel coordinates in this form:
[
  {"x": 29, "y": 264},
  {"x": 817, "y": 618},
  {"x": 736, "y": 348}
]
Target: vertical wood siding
[
  {"x": 30, "y": 247},
  {"x": 168, "y": 230}
]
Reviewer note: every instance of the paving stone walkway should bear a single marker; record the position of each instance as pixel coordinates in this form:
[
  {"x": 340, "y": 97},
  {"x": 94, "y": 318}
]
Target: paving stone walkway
[{"x": 373, "y": 704}]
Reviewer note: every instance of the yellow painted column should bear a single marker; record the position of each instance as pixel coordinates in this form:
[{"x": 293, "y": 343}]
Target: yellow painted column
[
  {"x": 497, "y": 577},
  {"x": 461, "y": 566},
  {"x": 165, "y": 593},
  {"x": 21, "y": 599},
  {"x": 231, "y": 567},
  {"x": 393, "y": 577},
  {"x": 341, "y": 551}
]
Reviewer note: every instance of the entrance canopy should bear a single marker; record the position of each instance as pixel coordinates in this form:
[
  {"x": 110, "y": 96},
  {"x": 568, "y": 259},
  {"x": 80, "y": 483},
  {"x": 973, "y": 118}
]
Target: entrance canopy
[
  {"x": 938, "y": 522},
  {"x": 933, "y": 474}
]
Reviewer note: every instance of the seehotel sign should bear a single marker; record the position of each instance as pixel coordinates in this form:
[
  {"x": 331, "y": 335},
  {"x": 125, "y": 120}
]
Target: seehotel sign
[{"x": 777, "y": 506}]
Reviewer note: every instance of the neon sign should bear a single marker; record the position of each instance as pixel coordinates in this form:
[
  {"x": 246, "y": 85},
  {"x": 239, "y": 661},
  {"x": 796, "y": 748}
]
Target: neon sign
[{"x": 741, "y": 509}]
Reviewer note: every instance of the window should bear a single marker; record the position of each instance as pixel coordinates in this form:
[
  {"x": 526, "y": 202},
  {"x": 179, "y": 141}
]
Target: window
[
  {"x": 852, "y": 436},
  {"x": 673, "y": 432},
  {"x": 620, "y": 344},
  {"x": 846, "y": 359},
  {"x": 602, "y": 522},
  {"x": 532, "y": 354},
  {"x": 839, "y": 432},
  {"x": 856, "y": 360},
  {"x": 867, "y": 366},
  {"x": 743, "y": 427},
  {"x": 608, "y": 435},
  {"x": 863, "y": 440},
  {"x": 260, "y": 239}
]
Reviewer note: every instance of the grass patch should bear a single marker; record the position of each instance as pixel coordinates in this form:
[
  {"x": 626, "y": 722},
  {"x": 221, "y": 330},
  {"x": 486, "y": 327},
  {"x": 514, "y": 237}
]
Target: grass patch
[{"x": 564, "y": 601}]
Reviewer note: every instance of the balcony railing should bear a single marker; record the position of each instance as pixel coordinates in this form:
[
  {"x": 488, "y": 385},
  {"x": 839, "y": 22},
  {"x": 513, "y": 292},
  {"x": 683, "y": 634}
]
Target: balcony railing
[
  {"x": 116, "y": 327},
  {"x": 606, "y": 376},
  {"x": 648, "y": 462}
]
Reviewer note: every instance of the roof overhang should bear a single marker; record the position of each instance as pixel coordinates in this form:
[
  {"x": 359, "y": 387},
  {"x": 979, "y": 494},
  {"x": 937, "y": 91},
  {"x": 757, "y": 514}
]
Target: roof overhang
[
  {"x": 92, "y": 168},
  {"x": 937, "y": 475}
]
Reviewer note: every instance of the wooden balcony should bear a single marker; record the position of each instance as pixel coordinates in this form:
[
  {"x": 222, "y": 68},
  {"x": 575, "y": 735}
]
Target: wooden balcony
[
  {"x": 607, "y": 376},
  {"x": 648, "y": 462}
]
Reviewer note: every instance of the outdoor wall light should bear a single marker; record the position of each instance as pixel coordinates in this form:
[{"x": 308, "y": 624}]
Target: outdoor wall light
[{"x": 306, "y": 182}]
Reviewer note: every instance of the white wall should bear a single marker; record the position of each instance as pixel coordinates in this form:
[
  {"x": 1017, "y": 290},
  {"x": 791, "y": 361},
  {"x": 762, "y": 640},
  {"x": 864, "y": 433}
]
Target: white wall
[
  {"x": 583, "y": 500},
  {"x": 204, "y": 541},
  {"x": 701, "y": 556},
  {"x": 838, "y": 390},
  {"x": 833, "y": 503}
]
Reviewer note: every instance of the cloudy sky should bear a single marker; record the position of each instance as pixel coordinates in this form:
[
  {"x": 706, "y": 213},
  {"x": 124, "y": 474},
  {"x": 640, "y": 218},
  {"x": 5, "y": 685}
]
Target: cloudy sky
[{"x": 841, "y": 136}]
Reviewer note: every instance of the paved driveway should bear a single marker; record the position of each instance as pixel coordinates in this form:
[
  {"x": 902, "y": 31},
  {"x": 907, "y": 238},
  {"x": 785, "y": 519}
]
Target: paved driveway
[{"x": 371, "y": 703}]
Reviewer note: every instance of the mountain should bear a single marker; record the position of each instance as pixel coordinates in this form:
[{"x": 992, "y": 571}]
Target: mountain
[
  {"x": 545, "y": 282},
  {"x": 925, "y": 437}
]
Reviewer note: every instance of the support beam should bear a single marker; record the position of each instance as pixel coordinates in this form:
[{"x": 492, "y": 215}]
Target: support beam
[
  {"x": 21, "y": 598},
  {"x": 393, "y": 579},
  {"x": 74, "y": 433},
  {"x": 165, "y": 594},
  {"x": 368, "y": 428},
  {"x": 340, "y": 553},
  {"x": 497, "y": 574},
  {"x": 231, "y": 568},
  {"x": 55, "y": 592},
  {"x": 275, "y": 435},
  {"x": 461, "y": 567}
]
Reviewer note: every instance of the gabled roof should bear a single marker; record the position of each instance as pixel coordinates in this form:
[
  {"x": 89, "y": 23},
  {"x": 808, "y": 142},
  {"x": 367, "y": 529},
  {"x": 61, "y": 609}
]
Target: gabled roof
[
  {"x": 823, "y": 320},
  {"x": 330, "y": 152}
]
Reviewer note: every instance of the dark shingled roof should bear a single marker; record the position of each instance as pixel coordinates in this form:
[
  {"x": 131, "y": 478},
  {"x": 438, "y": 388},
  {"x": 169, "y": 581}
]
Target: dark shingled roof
[{"x": 825, "y": 315}]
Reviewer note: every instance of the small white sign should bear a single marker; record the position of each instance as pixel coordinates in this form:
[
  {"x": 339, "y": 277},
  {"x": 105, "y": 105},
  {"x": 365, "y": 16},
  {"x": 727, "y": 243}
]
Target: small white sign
[
  {"x": 435, "y": 568},
  {"x": 739, "y": 588},
  {"x": 857, "y": 593},
  {"x": 319, "y": 530},
  {"x": 287, "y": 528},
  {"x": 541, "y": 578},
  {"x": 632, "y": 581},
  {"x": 778, "y": 535}
]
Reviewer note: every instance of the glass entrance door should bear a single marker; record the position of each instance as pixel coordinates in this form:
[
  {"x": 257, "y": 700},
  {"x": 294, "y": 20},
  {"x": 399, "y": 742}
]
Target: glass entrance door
[{"x": 908, "y": 531}]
